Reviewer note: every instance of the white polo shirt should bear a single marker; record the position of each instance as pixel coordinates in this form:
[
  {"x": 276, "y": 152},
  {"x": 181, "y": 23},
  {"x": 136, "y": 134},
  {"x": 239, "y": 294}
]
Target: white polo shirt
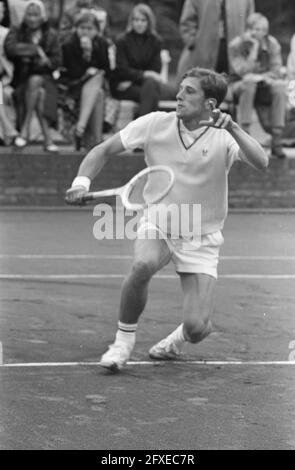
[{"x": 201, "y": 167}]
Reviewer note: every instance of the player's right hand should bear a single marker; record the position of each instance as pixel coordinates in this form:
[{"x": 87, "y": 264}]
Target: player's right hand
[
  {"x": 74, "y": 196},
  {"x": 218, "y": 120}
]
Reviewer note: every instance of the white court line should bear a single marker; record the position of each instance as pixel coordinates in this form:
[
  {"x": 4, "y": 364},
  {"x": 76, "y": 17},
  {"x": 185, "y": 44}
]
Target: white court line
[
  {"x": 122, "y": 257},
  {"x": 152, "y": 363},
  {"x": 32, "y": 277},
  {"x": 3, "y": 256}
]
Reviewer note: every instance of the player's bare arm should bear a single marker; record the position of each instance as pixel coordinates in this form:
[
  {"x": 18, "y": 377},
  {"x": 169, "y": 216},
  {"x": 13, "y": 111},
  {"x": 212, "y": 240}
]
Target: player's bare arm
[
  {"x": 99, "y": 155},
  {"x": 91, "y": 166},
  {"x": 250, "y": 150}
]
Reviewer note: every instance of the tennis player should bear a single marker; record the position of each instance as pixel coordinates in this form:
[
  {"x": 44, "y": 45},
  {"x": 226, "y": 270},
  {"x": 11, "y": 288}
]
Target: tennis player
[{"x": 200, "y": 146}]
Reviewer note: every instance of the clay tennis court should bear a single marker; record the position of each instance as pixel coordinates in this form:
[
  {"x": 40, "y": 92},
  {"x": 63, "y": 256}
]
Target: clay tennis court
[{"x": 60, "y": 291}]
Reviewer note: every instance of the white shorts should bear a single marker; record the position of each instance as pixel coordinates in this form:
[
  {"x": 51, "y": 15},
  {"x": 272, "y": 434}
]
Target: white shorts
[{"x": 189, "y": 256}]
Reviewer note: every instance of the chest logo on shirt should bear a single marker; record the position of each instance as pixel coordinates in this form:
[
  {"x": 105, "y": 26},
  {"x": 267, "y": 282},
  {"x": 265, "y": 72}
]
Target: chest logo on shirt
[{"x": 205, "y": 152}]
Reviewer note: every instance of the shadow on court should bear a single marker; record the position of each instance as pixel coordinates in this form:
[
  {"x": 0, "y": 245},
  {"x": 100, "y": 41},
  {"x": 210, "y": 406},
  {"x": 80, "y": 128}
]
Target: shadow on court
[{"x": 60, "y": 290}]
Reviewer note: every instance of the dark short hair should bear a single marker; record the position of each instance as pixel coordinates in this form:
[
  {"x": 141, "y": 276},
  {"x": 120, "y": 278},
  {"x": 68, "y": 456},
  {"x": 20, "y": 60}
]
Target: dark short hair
[{"x": 213, "y": 84}]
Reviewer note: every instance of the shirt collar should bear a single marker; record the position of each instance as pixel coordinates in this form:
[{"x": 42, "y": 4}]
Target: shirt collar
[{"x": 193, "y": 133}]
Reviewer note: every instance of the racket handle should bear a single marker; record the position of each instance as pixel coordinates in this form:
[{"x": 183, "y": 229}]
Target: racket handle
[
  {"x": 91, "y": 196},
  {"x": 88, "y": 197}
]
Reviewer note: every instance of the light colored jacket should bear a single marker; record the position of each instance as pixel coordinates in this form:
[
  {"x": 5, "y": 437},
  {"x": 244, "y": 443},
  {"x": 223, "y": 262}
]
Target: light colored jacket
[
  {"x": 199, "y": 28},
  {"x": 269, "y": 60},
  {"x": 291, "y": 60}
]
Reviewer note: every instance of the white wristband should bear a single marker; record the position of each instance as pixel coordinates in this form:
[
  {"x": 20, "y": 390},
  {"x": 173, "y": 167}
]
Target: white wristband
[{"x": 82, "y": 181}]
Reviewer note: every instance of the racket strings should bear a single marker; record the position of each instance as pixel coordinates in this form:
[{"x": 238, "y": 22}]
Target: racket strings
[{"x": 149, "y": 188}]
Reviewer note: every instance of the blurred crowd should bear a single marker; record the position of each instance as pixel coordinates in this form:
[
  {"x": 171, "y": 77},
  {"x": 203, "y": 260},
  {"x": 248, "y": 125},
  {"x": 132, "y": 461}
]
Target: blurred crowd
[{"x": 75, "y": 79}]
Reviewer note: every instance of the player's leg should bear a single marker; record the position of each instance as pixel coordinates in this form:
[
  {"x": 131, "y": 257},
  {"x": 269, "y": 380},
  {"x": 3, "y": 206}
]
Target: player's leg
[
  {"x": 196, "y": 263},
  {"x": 150, "y": 255},
  {"x": 198, "y": 290}
]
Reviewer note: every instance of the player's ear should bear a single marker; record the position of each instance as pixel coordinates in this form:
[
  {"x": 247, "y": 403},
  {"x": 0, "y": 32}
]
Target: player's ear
[{"x": 210, "y": 104}]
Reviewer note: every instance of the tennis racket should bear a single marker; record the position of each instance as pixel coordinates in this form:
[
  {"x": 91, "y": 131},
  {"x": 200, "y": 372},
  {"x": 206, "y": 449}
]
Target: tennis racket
[{"x": 149, "y": 186}]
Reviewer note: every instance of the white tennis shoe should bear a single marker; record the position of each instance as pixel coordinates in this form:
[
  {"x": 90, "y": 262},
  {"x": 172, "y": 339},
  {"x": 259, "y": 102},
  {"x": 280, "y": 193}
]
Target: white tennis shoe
[
  {"x": 166, "y": 349},
  {"x": 116, "y": 356}
]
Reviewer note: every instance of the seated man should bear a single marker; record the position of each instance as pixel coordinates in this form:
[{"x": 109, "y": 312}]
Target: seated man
[
  {"x": 256, "y": 60},
  {"x": 291, "y": 60},
  {"x": 289, "y": 131}
]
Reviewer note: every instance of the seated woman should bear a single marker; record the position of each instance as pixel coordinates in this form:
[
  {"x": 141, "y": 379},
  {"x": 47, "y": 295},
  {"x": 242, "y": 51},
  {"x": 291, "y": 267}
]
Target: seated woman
[
  {"x": 8, "y": 133},
  {"x": 34, "y": 49},
  {"x": 70, "y": 15},
  {"x": 138, "y": 61},
  {"x": 86, "y": 64}
]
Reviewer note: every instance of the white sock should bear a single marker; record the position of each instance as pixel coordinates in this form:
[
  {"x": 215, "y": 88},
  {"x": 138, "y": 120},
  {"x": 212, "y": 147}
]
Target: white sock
[
  {"x": 178, "y": 337},
  {"x": 126, "y": 334}
]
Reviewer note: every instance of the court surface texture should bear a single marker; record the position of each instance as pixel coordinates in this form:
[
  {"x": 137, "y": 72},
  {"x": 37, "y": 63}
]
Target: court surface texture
[{"x": 60, "y": 290}]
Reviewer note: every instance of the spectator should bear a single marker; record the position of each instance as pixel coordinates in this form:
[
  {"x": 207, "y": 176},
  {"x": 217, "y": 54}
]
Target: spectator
[
  {"x": 291, "y": 60},
  {"x": 256, "y": 62},
  {"x": 8, "y": 131},
  {"x": 207, "y": 27},
  {"x": 289, "y": 131},
  {"x": 69, "y": 17},
  {"x": 34, "y": 49},
  {"x": 138, "y": 61},
  {"x": 86, "y": 62}
]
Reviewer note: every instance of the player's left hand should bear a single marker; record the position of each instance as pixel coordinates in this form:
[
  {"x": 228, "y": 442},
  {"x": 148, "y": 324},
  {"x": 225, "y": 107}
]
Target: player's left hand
[{"x": 218, "y": 120}]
